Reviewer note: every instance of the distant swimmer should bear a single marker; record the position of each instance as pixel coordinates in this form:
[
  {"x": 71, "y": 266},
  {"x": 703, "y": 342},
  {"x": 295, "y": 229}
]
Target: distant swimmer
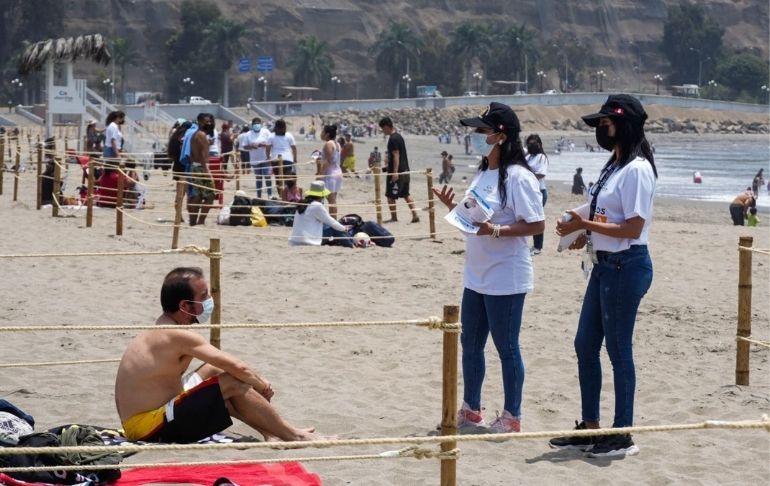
[{"x": 696, "y": 177}]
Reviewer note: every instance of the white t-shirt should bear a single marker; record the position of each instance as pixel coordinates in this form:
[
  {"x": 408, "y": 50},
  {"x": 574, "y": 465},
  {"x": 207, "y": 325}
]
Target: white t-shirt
[
  {"x": 503, "y": 266},
  {"x": 240, "y": 141},
  {"x": 257, "y": 155},
  {"x": 214, "y": 147},
  {"x": 539, "y": 165},
  {"x": 113, "y": 132},
  {"x": 281, "y": 145},
  {"x": 309, "y": 226},
  {"x": 629, "y": 192}
]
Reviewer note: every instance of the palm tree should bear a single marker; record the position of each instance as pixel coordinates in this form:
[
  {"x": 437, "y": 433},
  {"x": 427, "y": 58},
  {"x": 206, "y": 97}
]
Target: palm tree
[
  {"x": 470, "y": 42},
  {"x": 224, "y": 36},
  {"x": 124, "y": 54},
  {"x": 522, "y": 53},
  {"x": 394, "y": 49},
  {"x": 311, "y": 63}
]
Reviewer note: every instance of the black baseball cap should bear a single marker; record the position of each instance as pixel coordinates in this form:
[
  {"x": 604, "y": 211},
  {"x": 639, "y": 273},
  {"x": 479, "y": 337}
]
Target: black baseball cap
[
  {"x": 496, "y": 116},
  {"x": 619, "y": 106}
]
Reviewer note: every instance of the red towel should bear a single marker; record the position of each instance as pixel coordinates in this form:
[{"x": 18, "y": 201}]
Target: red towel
[{"x": 280, "y": 474}]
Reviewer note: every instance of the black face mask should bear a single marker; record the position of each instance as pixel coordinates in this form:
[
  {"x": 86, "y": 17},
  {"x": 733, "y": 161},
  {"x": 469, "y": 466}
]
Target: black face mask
[
  {"x": 533, "y": 148},
  {"x": 603, "y": 138},
  {"x": 208, "y": 129}
]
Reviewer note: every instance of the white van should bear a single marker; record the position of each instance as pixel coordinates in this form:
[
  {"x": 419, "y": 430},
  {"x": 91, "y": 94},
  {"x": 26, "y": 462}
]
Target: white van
[{"x": 199, "y": 100}]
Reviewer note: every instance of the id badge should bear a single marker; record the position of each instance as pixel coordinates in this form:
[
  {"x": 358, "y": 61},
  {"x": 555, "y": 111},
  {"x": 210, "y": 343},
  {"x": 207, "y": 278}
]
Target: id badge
[
  {"x": 590, "y": 252},
  {"x": 587, "y": 265}
]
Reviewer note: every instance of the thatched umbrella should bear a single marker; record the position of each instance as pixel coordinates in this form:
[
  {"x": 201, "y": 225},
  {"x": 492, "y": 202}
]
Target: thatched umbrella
[{"x": 92, "y": 47}]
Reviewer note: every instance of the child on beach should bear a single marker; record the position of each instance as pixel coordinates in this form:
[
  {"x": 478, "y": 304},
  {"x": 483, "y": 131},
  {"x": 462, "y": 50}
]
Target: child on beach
[{"x": 753, "y": 219}]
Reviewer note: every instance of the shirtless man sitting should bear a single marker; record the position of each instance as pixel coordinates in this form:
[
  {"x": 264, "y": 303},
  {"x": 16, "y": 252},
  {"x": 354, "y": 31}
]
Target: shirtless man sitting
[{"x": 156, "y": 403}]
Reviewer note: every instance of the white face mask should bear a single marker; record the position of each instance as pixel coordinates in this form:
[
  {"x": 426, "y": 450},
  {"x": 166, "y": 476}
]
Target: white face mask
[
  {"x": 480, "y": 145},
  {"x": 208, "y": 309},
  {"x": 256, "y": 127}
]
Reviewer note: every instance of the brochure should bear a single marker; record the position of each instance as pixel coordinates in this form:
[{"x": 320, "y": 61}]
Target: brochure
[
  {"x": 568, "y": 239},
  {"x": 472, "y": 209}
]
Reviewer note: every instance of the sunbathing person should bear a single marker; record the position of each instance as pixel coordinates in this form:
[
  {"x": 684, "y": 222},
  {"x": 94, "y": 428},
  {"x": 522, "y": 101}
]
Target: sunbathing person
[{"x": 157, "y": 403}]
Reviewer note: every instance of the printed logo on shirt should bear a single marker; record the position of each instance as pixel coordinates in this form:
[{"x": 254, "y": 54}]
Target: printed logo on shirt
[{"x": 600, "y": 215}]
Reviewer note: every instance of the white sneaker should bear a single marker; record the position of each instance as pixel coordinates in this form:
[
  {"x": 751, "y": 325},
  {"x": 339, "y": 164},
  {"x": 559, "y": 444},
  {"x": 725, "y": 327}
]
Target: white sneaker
[{"x": 468, "y": 417}]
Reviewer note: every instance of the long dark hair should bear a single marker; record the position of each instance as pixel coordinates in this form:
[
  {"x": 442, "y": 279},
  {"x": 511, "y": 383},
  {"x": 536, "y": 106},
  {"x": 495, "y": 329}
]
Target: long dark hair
[
  {"x": 331, "y": 131},
  {"x": 511, "y": 153},
  {"x": 301, "y": 207},
  {"x": 633, "y": 144}
]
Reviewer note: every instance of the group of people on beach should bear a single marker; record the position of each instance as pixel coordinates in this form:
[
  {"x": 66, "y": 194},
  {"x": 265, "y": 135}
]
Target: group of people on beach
[{"x": 498, "y": 274}]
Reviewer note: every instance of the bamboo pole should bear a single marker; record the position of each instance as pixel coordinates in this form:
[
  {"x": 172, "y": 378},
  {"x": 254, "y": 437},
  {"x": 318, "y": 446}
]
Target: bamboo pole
[
  {"x": 377, "y": 194},
  {"x": 431, "y": 204},
  {"x": 39, "y": 203},
  {"x": 279, "y": 179},
  {"x": 216, "y": 293},
  {"x": 237, "y": 169},
  {"x": 2, "y": 161},
  {"x": 16, "y": 173},
  {"x": 119, "y": 203},
  {"x": 180, "y": 188},
  {"x": 449, "y": 395},
  {"x": 744, "y": 311},
  {"x": 90, "y": 194},
  {"x": 56, "y": 188}
]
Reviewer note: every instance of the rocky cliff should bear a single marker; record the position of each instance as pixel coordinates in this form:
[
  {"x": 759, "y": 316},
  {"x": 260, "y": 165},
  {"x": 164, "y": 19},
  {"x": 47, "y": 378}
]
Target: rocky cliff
[{"x": 620, "y": 32}]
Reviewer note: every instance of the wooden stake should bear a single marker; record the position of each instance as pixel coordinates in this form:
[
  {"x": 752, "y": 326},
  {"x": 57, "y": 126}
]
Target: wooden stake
[
  {"x": 449, "y": 395},
  {"x": 90, "y": 194},
  {"x": 119, "y": 203},
  {"x": 431, "y": 204},
  {"x": 180, "y": 189},
  {"x": 56, "y": 188},
  {"x": 39, "y": 174},
  {"x": 215, "y": 290},
  {"x": 2, "y": 161},
  {"x": 237, "y": 167},
  {"x": 279, "y": 179},
  {"x": 16, "y": 173},
  {"x": 377, "y": 194},
  {"x": 744, "y": 311}
]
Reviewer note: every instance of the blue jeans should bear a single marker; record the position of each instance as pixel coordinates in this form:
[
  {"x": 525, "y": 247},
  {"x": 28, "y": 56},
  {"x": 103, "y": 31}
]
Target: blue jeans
[
  {"x": 616, "y": 287},
  {"x": 537, "y": 240},
  {"x": 500, "y": 315},
  {"x": 264, "y": 170}
]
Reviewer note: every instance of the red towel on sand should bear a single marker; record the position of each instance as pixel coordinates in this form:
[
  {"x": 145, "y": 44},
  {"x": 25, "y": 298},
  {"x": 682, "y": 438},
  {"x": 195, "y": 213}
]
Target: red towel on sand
[{"x": 281, "y": 474}]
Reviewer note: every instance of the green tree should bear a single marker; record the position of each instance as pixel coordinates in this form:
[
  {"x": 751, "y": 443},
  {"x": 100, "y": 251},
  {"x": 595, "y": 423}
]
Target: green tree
[
  {"x": 394, "y": 49},
  {"x": 743, "y": 75},
  {"x": 123, "y": 55},
  {"x": 433, "y": 64},
  {"x": 311, "y": 63},
  {"x": 224, "y": 36},
  {"x": 692, "y": 43},
  {"x": 471, "y": 42},
  {"x": 517, "y": 48}
]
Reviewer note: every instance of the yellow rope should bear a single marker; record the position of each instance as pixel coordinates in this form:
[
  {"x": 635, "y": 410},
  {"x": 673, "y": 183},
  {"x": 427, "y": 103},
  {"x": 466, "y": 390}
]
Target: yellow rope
[
  {"x": 408, "y": 452},
  {"x": 754, "y": 250},
  {"x": 196, "y": 250},
  {"x": 764, "y": 423},
  {"x": 58, "y": 363},
  {"x": 433, "y": 323},
  {"x": 765, "y": 344}
]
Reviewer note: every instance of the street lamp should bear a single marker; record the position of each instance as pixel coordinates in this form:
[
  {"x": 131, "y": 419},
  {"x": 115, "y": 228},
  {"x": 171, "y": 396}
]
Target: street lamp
[
  {"x": 108, "y": 85},
  {"x": 766, "y": 89},
  {"x": 541, "y": 75},
  {"x": 658, "y": 78},
  {"x": 335, "y": 81},
  {"x": 700, "y": 62},
  {"x": 407, "y": 79},
  {"x": 477, "y": 77},
  {"x": 263, "y": 80},
  {"x": 17, "y": 83},
  {"x": 526, "y": 73},
  {"x": 600, "y": 75}
]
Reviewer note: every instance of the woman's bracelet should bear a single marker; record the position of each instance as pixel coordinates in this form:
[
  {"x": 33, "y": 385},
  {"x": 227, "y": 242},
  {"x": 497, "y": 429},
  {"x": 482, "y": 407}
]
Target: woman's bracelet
[{"x": 496, "y": 231}]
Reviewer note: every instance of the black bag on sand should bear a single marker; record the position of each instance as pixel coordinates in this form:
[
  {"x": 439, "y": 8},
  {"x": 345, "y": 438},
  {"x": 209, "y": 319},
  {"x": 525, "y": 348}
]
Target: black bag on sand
[
  {"x": 240, "y": 211},
  {"x": 379, "y": 235}
]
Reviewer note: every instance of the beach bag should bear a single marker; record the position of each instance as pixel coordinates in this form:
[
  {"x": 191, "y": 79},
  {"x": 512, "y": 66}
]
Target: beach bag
[
  {"x": 354, "y": 221},
  {"x": 257, "y": 218},
  {"x": 379, "y": 235}
]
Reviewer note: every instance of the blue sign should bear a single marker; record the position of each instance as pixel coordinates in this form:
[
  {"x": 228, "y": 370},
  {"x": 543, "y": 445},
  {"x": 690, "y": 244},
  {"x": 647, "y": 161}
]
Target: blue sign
[
  {"x": 244, "y": 65},
  {"x": 264, "y": 64}
]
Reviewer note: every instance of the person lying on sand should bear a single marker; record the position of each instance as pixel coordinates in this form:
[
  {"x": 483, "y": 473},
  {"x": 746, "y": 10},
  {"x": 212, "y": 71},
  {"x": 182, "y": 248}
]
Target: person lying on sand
[{"x": 156, "y": 403}]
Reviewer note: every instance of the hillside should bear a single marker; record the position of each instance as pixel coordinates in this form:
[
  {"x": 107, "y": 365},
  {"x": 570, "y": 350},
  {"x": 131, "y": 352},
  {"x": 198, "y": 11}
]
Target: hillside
[{"x": 620, "y": 32}]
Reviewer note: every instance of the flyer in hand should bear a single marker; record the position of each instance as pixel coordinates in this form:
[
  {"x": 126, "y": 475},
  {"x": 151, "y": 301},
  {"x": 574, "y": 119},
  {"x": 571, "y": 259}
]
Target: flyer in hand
[{"x": 472, "y": 209}]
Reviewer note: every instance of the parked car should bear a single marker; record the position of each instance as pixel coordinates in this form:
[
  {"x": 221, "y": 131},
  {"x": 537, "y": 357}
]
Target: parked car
[
  {"x": 199, "y": 100},
  {"x": 551, "y": 91},
  {"x": 471, "y": 93}
]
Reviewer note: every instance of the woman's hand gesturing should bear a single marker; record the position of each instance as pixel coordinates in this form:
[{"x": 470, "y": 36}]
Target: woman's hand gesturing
[{"x": 446, "y": 195}]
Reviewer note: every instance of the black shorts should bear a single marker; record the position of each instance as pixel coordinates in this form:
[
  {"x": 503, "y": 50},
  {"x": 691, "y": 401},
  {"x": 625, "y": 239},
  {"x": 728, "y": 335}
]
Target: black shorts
[
  {"x": 198, "y": 413},
  {"x": 398, "y": 189}
]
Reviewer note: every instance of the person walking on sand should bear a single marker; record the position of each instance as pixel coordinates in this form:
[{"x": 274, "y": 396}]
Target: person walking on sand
[
  {"x": 397, "y": 180},
  {"x": 329, "y": 166},
  {"x": 616, "y": 247},
  {"x": 201, "y": 192},
  {"x": 157, "y": 403},
  {"x": 538, "y": 162},
  {"x": 498, "y": 266},
  {"x": 578, "y": 186}
]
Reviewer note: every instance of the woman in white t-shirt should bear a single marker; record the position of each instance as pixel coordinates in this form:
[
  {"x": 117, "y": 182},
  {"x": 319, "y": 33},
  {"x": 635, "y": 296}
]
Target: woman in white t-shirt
[
  {"x": 282, "y": 143},
  {"x": 538, "y": 162},
  {"x": 616, "y": 242},
  {"x": 113, "y": 138},
  {"x": 498, "y": 266}
]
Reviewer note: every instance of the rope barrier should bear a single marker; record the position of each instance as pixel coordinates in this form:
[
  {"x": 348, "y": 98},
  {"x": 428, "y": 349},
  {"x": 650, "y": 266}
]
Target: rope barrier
[
  {"x": 196, "y": 250},
  {"x": 754, "y": 250},
  {"x": 765, "y": 344},
  {"x": 407, "y": 452},
  {"x": 59, "y": 363},
  {"x": 763, "y": 423},
  {"x": 431, "y": 323}
]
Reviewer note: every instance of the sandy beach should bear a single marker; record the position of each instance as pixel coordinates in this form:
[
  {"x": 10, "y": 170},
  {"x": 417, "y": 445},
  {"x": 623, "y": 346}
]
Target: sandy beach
[{"x": 363, "y": 382}]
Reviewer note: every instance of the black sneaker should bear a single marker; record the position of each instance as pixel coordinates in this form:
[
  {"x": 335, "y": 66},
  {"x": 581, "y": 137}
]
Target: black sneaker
[
  {"x": 577, "y": 443},
  {"x": 614, "y": 446}
]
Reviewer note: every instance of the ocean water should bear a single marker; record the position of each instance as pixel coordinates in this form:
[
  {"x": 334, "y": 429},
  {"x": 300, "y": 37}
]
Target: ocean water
[{"x": 727, "y": 168}]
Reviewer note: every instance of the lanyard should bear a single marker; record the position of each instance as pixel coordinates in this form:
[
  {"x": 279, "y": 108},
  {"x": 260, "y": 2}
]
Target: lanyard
[{"x": 596, "y": 189}]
